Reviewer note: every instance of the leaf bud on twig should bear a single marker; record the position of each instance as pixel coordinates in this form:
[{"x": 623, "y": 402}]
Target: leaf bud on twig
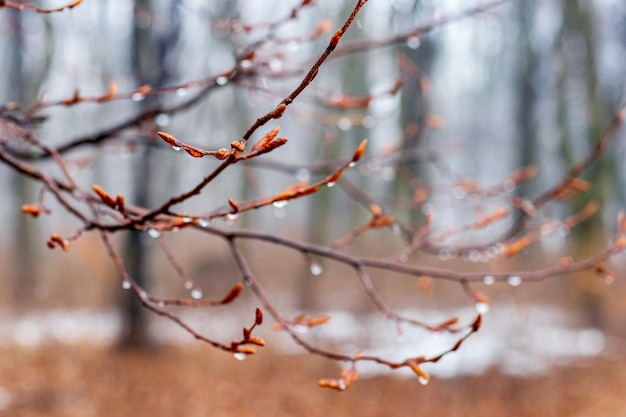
[
  {"x": 234, "y": 293},
  {"x": 258, "y": 320},
  {"x": 222, "y": 154},
  {"x": 104, "y": 196},
  {"x": 32, "y": 209}
]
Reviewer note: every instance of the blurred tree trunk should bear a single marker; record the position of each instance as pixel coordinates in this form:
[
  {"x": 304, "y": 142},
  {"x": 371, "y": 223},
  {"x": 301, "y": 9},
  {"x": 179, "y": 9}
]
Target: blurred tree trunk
[
  {"x": 25, "y": 229},
  {"x": 415, "y": 104},
  {"x": 526, "y": 92},
  {"x": 578, "y": 42},
  {"x": 151, "y": 42},
  {"x": 325, "y": 208}
]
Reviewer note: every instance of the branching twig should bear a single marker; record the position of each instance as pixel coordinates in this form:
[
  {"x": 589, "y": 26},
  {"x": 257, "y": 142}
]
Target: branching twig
[{"x": 107, "y": 214}]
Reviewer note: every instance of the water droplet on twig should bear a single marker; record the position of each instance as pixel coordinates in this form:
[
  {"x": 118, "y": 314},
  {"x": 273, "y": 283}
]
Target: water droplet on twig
[
  {"x": 489, "y": 280},
  {"x": 126, "y": 284},
  {"x": 316, "y": 268},
  {"x": 482, "y": 308},
  {"x": 153, "y": 233},
  {"x": 514, "y": 280},
  {"x": 413, "y": 42},
  {"x": 240, "y": 356},
  {"x": 196, "y": 293}
]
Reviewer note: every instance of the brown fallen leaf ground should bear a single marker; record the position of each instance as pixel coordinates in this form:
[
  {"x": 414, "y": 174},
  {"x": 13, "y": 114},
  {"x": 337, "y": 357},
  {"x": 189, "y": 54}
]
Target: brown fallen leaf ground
[{"x": 78, "y": 380}]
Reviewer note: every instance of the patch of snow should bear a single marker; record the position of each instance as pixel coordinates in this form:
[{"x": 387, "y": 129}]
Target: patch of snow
[{"x": 524, "y": 340}]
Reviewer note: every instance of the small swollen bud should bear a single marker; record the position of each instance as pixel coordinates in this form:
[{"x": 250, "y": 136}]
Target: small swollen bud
[
  {"x": 273, "y": 145},
  {"x": 256, "y": 341},
  {"x": 578, "y": 184},
  {"x": 334, "y": 41},
  {"x": 277, "y": 113},
  {"x": 248, "y": 350},
  {"x": 56, "y": 240},
  {"x": 143, "y": 90},
  {"x": 516, "y": 246},
  {"x": 419, "y": 371},
  {"x": 233, "y": 204},
  {"x": 477, "y": 323},
  {"x": 382, "y": 221},
  {"x": 376, "y": 209},
  {"x": 32, "y": 209},
  {"x": 479, "y": 297},
  {"x": 316, "y": 321},
  {"x": 450, "y": 322},
  {"x": 119, "y": 200},
  {"x": 457, "y": 345},
  {"x": 104, "y": 196},
  {"x": 359, "y": 151},
  {"x": 196, "y": 153},
  {"x": 222, "y": 154},
  {"x": 234, "y": 292},
  {"x": 171, "y": 140},
  {"x": 265, "y": 140},
  {"x": 238, "y": 146},
  {"x": 329, "y": 383},
  {"x": 110, "y": 93}
]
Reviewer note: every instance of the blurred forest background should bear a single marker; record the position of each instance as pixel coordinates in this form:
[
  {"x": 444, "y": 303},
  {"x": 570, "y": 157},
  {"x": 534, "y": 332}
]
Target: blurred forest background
[{"x": 530, "y": 82}]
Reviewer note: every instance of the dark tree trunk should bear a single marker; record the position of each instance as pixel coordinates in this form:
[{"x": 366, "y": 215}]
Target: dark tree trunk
[
  {"x": 25, "y": 228},
  {"x": 150, "y": 47}
]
